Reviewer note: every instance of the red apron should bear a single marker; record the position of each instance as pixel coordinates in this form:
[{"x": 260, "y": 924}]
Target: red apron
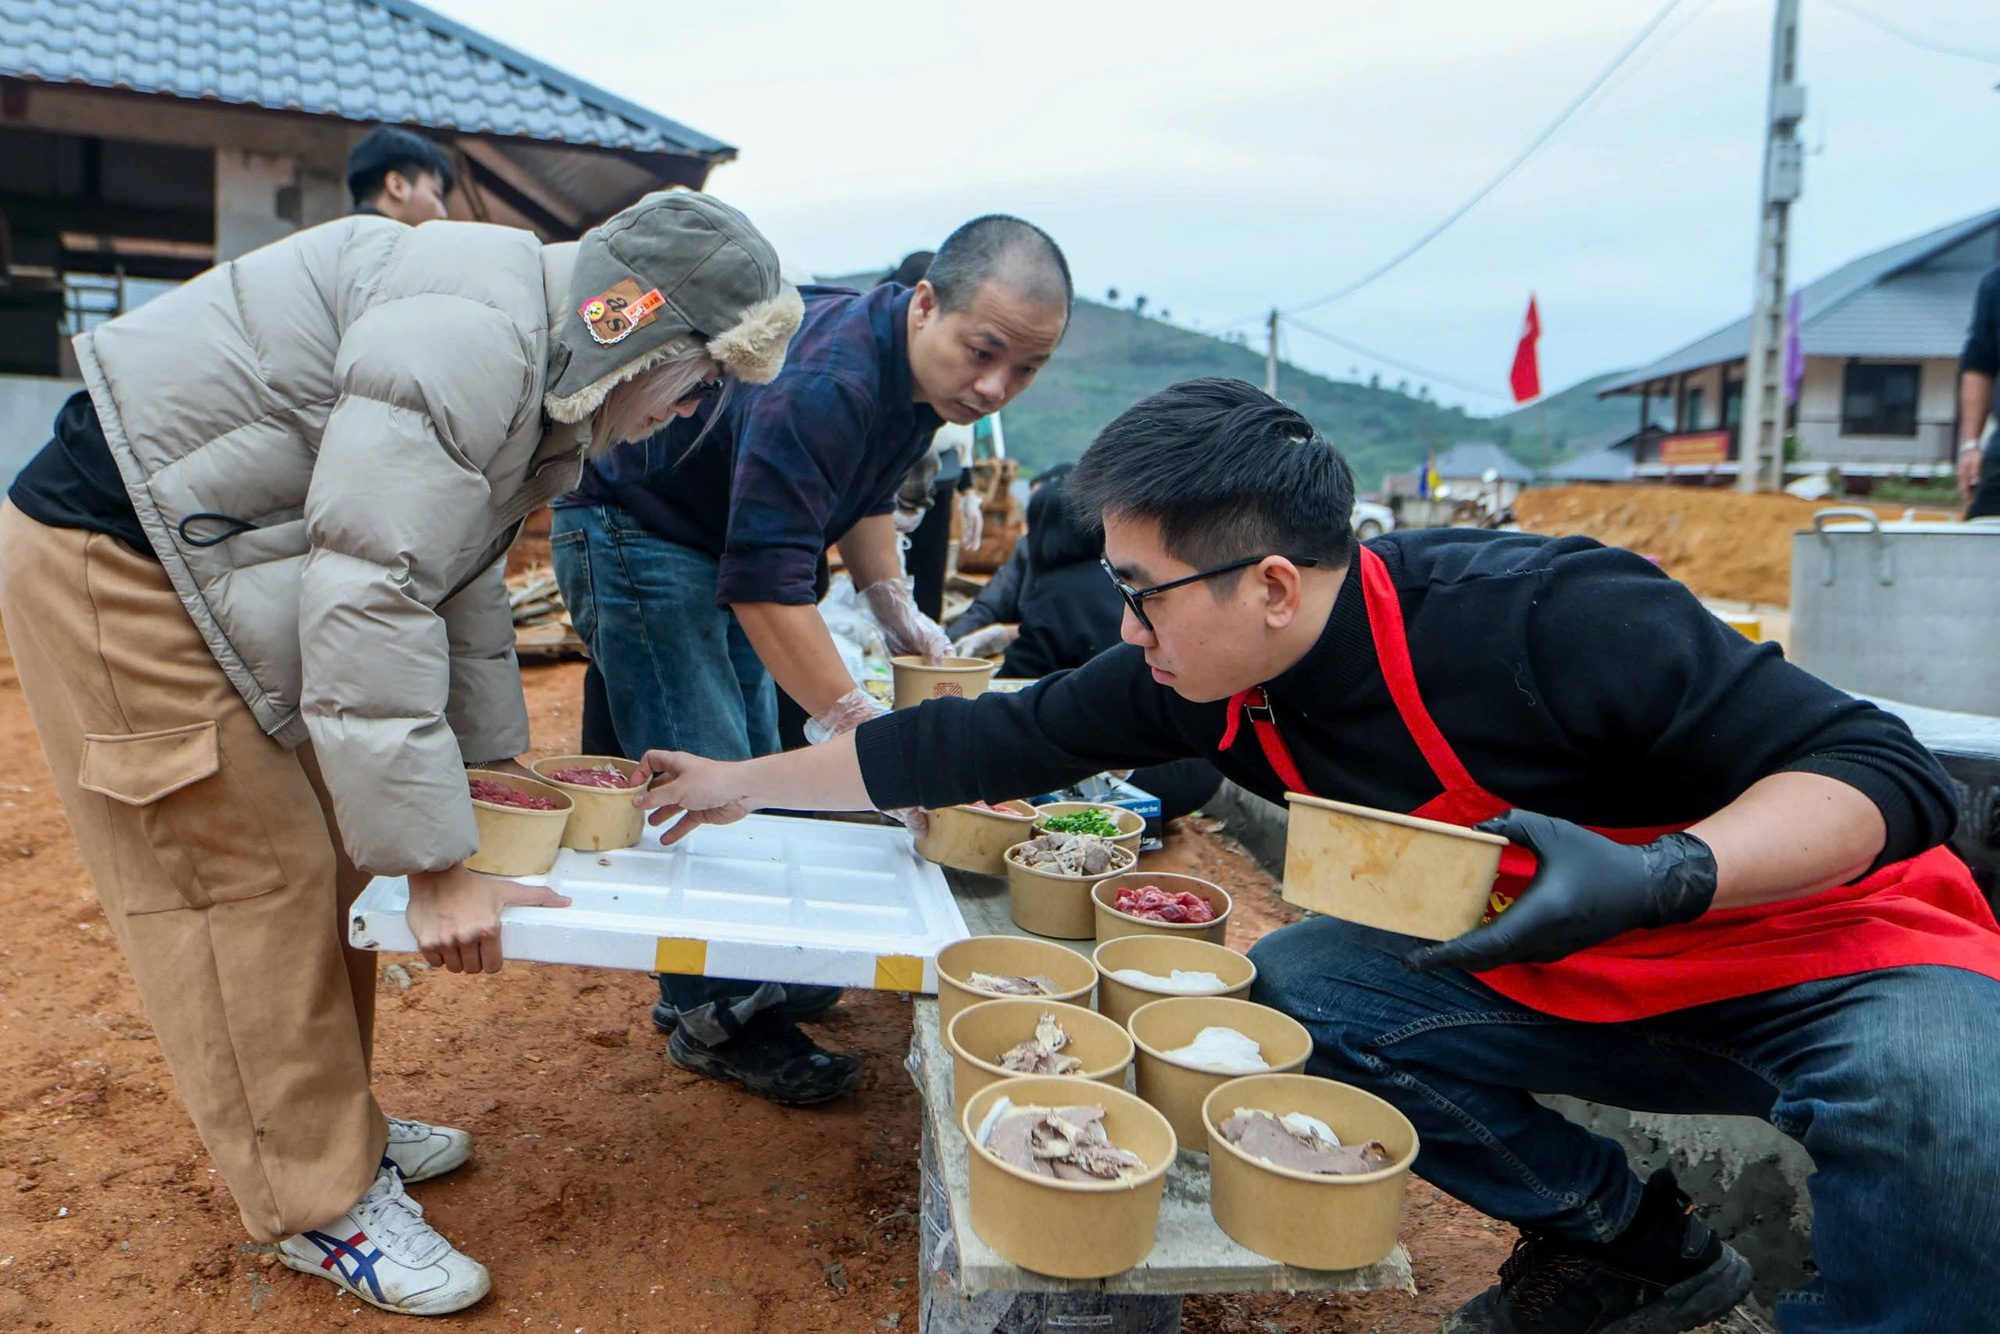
[{"x": 1926, "y": 910}]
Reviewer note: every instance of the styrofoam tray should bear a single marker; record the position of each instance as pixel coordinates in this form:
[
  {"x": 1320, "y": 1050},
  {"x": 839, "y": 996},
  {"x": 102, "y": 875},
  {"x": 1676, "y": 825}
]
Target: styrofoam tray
[{"x": 771, "y": 898}]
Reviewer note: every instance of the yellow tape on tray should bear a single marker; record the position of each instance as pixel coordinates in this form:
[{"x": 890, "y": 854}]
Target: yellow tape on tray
[
  {"x": 899, "y": 972},
  {"x": 680, "y": 956}
]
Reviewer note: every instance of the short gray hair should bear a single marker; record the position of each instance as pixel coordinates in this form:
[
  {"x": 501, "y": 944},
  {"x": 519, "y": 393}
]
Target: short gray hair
[{"x": 1019, "y": 254}]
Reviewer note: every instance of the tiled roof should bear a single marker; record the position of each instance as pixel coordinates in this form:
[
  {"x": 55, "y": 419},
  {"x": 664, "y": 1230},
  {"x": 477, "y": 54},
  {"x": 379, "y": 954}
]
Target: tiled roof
[
  {"x": 361, "y": 60},
  {"x": 1883, "y": 304},
  {"x": 1473, "y": 458}
]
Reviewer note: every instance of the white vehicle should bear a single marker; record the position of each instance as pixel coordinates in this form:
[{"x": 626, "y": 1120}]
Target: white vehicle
[{"x": 1372, "y": 520}]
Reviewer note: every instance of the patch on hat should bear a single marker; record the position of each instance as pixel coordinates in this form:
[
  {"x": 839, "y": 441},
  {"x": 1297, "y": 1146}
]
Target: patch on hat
[{"x": 612, "y": 316}]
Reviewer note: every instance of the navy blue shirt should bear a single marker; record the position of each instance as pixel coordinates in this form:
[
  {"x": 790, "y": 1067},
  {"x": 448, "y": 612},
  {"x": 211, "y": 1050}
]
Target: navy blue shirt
[{"x": 791, "y": 465}]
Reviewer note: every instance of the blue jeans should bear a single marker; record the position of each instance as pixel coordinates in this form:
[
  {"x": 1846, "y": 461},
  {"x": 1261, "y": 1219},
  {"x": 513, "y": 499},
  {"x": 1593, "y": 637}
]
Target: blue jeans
[
  {"x": 1886, "y": 1078},
  {"x": 678, "y": 674}
]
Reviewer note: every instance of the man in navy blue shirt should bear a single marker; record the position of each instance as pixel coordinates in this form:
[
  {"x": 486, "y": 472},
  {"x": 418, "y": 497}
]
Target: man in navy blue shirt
[{"x": 688, "y": 560}]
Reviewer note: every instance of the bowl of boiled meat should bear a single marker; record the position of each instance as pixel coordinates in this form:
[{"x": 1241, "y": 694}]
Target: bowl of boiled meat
[
  {"x": 1065, "y": 1176},
  {"x": 1049, "y": 879},
  {"x": 985, "y": 968},
  {"x": 600, "y": 787},
  {"x": 1157, "y": 903},
  {"x": 1121, "y": 826},
  {"x": 1187, "y": 1045},
  {"x": 1138, "y": 970},
  {"x": 1005, "y": 1039},
  {"x": 520, "y": 822},
  {"x": 975, "y": 836},
  {"x": 1307, "y": 1171}
]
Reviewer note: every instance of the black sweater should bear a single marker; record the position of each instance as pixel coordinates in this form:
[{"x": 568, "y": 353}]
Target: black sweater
[
  {"x": 1069, "y": 615},
  {"x": 1571, "y": 678}
]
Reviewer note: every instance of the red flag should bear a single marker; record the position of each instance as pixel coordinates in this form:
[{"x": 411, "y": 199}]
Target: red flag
[{"x": 1526, "y": 377}]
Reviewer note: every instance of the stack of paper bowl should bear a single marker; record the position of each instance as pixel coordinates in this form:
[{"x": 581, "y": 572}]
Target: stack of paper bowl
[
  {"x": 954, "y": 678},
  {"x": 1160, "y": 956},
  {"x": 1110, "y": 924},
  {"x": 1049, "y": 903},
  {"x": 1131, "y": 825},
  {"x": 1069, "y": 1229},
  {"x": 513, "y": 840},
  {"x": 967, "y": 838},
  {"x": 979, "y": 1035},
  {"x": 1179, "y": 1088},
  {"x": 1394, "y": 872},
  {"x": 1308, "y": 1219},
  {"x": 1009, "y": 956},
  {"x": 604, "y": 817}
]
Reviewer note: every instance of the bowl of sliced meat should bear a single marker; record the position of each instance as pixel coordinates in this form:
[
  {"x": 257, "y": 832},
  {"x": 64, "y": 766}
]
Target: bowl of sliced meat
[
  {"x": 985, "y": 968},
  {"x": 975, "y": 836},
  {"x": 1159, "y": 903},
  {"x": 520, "y": 822},
  {"x": 1004, "y": 1039},
  {"x": 600, "y": 787}
]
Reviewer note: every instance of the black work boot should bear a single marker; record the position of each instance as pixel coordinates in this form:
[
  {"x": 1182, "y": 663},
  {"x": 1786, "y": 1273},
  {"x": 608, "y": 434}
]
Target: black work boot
[
  {"x": 802, "y": 1002},
  {"x": 1665, "y": 1273},
  {"x": 772, "y": 1059}
]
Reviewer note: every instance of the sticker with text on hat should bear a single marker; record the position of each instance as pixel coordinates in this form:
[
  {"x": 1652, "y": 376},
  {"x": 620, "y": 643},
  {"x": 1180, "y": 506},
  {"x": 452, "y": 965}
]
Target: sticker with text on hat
[{"x": 612, "y": 316}]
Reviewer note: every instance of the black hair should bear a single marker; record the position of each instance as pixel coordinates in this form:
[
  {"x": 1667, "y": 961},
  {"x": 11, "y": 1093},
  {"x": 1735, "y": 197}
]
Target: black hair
[
  {"x": 1226, "y": 471},
  {"x": 1059, "y": 533},
  {"x": 387, "y": 148},
  {"x": 1055, "y": 472},
  {"x": 912, "y": 268},
  {"x": 1000, "y": 246}
]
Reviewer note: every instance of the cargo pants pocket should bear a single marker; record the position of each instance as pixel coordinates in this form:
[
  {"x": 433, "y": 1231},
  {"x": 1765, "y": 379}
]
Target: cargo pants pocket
[{"x": 188, "y": 832}]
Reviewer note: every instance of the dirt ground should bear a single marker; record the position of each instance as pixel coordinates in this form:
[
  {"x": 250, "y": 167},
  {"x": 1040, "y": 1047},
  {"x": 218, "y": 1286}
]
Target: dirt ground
[
  {"x": 1716, "y": 541},
  {"x": 609, "y": 1191}
]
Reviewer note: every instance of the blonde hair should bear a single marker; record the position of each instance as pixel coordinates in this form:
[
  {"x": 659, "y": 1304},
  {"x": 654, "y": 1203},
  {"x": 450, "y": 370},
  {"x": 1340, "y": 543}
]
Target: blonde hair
[{"x": 649, "y": 394}]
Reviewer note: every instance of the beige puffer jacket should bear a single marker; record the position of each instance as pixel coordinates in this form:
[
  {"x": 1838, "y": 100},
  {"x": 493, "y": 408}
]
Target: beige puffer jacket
[{"x": 332, "y": 441}]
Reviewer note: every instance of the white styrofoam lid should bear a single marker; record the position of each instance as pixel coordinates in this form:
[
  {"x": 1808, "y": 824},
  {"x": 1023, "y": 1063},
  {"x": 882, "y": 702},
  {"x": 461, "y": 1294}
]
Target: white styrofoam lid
[{"x": 770, "y": 898}]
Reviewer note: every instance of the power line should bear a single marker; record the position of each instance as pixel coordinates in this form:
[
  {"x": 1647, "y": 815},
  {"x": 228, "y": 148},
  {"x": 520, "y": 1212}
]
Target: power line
[
  {"x": 1547, "y": 133},
  {"x": 1916, "y": 39},
  {"x": 1486, "y": 391}
]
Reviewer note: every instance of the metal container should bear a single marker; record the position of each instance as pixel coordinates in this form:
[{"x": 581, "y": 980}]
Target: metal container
[{"x": 1906, "y": 610}]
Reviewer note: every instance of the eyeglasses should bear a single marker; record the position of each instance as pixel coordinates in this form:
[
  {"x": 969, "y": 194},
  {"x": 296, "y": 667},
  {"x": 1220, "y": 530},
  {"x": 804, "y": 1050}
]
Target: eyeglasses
[
  {"x": 702, "y": 389},
  {"x": 1135, "y": 598}
]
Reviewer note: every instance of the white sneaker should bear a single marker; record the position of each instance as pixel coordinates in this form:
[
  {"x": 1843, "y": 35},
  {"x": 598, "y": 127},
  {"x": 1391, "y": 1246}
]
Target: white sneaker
[
  {"x": 383, "y": 1252},
  {"x": 421, "y": 1151}
]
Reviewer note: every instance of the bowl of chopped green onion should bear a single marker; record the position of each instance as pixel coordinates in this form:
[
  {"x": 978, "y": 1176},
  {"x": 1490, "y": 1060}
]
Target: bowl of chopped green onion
[{"x": 1121, "y": 826}]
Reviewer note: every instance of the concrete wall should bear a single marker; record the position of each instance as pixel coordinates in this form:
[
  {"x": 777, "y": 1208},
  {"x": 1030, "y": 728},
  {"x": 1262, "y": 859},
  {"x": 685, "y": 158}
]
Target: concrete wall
[
  {"x": 1820, "y": 437},
  {"x": 260, "y": 198}
]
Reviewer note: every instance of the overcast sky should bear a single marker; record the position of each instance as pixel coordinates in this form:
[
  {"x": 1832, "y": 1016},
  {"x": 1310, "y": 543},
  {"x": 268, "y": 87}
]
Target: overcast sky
[{"x": 1221, "y": 158}]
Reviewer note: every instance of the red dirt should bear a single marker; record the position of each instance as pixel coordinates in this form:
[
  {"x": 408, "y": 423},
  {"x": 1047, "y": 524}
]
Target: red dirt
[{"x": 609, "y": 1191}]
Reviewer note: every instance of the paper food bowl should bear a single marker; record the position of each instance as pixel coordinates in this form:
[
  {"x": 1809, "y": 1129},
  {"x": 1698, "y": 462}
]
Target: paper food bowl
[
  {"x": 979, "y": 1034},
  {"x": 917, "y": 680},
  {"x": 1055, "y": 905},
  {"x": 1010, "y": 956},
  {"x": 1107, "y": 923},
  {"x": 513, "y": 841},
  {"x": 1069, "y": 1229},
  {"x": 1131, "y": 825},
  {"x": 1179, "y": 1089},
  {"x": 1160, "y": 955},
  {"x": 966, "y": 838},
  {"x": 1393, "y": 872},
  {"x": 1301, "y": 1218},
  {"x": 603, "y": 817}
]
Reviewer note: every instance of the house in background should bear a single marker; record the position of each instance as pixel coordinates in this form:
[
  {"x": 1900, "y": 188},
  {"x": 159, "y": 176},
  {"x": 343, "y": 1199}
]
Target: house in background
[
  {"x": 141, "y": 144},
  {"x": 1464, "y": 491},
  {"x": 1881, "y": 337}
]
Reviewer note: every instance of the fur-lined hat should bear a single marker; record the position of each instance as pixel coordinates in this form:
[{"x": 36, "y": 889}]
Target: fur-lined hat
[{"x": 674, "y": 272}]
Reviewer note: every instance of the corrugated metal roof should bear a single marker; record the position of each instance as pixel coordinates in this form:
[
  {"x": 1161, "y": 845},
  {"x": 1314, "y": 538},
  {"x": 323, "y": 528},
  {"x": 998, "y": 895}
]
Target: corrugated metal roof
[
  {"x": 1612, "y": 464},
  {"x": 1869, "y": 307},
  {"x": 360, "y": 60},
  {"x": 1473, "y": 458}
]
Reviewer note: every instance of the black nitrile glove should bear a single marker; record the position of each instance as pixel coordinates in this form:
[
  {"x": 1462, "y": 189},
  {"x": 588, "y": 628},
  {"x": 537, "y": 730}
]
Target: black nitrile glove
[{"x": 1586, "y": 890}]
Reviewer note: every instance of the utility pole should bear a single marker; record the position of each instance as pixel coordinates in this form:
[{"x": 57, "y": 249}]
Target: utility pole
[
  {"x": 1762, "y": 429},
  {"x": 1271, "y": 355}
]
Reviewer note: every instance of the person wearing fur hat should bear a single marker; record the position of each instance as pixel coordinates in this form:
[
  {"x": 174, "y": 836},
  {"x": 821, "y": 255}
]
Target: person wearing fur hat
[{"x": 254, "y": 591}]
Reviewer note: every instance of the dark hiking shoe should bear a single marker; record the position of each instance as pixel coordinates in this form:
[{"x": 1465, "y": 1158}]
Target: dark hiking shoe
[
  {"x": 801, "y": 1003},
  {"x": 1664, "y": 1274},
  {"x": 771, "y": 1059}
]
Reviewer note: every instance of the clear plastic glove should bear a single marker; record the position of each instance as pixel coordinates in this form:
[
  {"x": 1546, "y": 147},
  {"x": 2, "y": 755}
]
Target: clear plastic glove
[
  {"x": 907, "y": 521},
  {"x": 905, "y": 629},
  {"x": 972, "y": 520},
  {"x": 845, "y": 714},
  {"x": 986, "y": 641},
  {"x": 914, "y": 819}
]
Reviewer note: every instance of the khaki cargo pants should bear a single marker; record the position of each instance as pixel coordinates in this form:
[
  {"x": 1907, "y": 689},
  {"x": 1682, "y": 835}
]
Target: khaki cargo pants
[{"x": 214, "y": 854}]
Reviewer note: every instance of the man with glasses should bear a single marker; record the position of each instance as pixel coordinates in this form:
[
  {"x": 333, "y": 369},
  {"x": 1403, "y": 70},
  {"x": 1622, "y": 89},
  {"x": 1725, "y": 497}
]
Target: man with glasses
[
  {"x": 1728, "y": 894},
  {"x": 687, "y": 561}
]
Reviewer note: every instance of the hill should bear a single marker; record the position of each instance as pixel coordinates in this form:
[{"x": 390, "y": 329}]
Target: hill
[
  {"x": 1576, "y": 418},
  {"x": 1112, "y": 357}
]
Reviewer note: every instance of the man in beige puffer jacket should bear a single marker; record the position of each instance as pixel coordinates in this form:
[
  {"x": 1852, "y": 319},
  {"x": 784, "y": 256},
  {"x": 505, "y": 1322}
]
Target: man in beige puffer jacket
[{"x": 254, "y": 593}]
